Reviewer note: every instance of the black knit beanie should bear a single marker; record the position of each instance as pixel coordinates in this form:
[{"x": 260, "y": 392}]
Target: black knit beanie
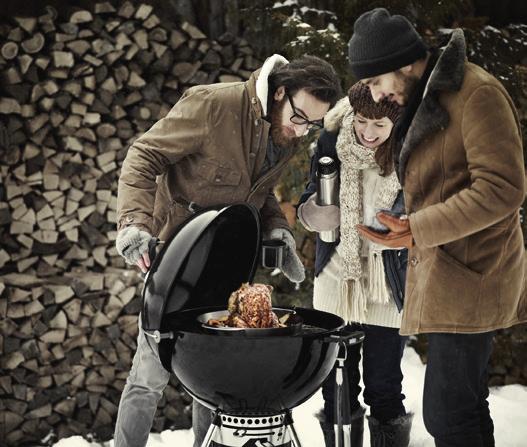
[
  {"x": 382, "y": 43},
  {"x": 361, "y": 101}
]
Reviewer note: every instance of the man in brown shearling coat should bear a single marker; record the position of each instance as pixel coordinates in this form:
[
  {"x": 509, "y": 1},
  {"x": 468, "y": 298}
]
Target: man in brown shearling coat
[
  {"x": 460, "y": 161},
  {"x": 220, "y": 144}
]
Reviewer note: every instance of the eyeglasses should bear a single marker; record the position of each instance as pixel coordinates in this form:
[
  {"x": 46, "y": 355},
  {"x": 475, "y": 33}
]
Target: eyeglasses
[{"x": 301, "y": 120}]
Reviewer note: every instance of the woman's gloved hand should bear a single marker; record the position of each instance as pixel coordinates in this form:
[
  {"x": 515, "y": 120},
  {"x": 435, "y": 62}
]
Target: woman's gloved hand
[
  {"x": 292, "y": 266},
  {"x": 316, "y": 217},
  {"x": 133, "y": 245}
]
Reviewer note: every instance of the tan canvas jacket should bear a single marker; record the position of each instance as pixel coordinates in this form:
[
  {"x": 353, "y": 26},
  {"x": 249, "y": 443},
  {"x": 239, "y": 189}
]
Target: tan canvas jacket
[{"x": 208, "y": 150}]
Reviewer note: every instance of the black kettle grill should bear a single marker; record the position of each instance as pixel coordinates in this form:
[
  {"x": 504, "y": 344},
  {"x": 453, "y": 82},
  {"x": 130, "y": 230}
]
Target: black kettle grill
[{"x": 250, "y": 379}]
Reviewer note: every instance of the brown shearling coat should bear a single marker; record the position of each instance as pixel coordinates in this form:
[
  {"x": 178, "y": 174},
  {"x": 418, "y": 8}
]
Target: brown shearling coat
[
  {"x": 209, "y": 149},
  {"x": 461, "y": 166}
]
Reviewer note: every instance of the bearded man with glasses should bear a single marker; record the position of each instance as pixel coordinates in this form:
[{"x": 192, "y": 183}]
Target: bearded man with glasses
[{"x": 220, "y": 144}]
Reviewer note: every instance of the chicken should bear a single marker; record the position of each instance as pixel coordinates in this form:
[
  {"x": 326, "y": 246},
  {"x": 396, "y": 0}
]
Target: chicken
[
  {"x": 250, "y": 307},
  {"x": 252, "y": 304}
]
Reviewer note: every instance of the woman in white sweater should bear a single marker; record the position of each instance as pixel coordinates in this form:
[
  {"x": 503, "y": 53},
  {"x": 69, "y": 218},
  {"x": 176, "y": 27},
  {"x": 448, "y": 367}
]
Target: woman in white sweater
[{"x": 354, "y": 278}]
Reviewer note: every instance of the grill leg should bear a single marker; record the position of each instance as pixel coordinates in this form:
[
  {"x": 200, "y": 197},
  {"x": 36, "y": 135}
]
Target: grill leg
[
  {"x": 288, "y": 420},
  {"x": 342, "y": 401},
  {"x": 215, "y": 424}
]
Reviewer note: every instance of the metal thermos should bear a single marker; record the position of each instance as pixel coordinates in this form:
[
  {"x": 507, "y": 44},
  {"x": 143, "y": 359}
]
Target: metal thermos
[{"x": 327, "y": 191}]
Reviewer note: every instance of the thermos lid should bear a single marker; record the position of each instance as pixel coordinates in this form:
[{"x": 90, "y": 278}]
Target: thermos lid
[{"x": 326, "y": 166}]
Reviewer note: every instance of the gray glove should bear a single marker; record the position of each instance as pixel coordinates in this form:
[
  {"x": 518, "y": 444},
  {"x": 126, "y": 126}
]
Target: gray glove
[
  {"x": 292, "y": 266},
  {"x": 131, "y": 243},
  {"x": 316, "y": 217}
]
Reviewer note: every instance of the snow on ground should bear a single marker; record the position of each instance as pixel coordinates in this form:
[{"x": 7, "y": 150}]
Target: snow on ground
[{"x": 508, "y": 407}]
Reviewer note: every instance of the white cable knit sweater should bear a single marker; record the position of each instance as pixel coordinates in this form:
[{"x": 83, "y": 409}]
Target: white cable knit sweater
[{"x": 327, "y": 289}]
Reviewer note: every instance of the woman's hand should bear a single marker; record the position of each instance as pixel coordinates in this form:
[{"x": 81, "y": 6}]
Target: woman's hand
[{"x": 316, "y": 217}]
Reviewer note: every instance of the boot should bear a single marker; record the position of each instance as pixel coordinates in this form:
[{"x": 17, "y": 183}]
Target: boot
[
  {"x": 356, "y": 432},
  {"x": 394, "y": 433}
]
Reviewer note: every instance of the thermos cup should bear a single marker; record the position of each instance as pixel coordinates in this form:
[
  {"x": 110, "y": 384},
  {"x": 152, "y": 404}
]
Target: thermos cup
[{"x": 273, "y": 253}]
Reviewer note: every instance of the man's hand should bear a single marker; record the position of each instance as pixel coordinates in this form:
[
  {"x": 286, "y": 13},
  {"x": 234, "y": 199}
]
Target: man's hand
[
  {"x": 292, "y": 266},
  {"x": 133, "y": 244},
  {"x": 399, "y": 236}
]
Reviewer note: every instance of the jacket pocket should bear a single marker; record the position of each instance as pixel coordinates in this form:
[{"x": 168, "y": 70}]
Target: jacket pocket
[
  {"x": 217, "y": 174},
  {"x": 452, "y": 293}
]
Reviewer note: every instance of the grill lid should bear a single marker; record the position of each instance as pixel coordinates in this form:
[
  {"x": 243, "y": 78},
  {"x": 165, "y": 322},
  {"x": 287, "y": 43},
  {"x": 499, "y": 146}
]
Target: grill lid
[{"x": 209, "y": 256}]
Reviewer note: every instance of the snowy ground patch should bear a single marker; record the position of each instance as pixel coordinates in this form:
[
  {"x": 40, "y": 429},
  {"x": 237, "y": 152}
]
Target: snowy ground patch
[{"x": 508, "y": 407}]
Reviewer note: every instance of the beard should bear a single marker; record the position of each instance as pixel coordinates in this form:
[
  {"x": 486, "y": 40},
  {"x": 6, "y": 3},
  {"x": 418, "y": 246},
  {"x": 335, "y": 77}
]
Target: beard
[
  {"x": 278, "y": 133},
  {"x": 409, "y": 87}
]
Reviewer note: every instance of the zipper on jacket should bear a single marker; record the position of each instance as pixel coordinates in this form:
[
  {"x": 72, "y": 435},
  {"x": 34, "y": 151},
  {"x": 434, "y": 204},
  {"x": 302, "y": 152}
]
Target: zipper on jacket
[
  {"x": 269, "y": 174},
  {"x": 260, "y": 136}
]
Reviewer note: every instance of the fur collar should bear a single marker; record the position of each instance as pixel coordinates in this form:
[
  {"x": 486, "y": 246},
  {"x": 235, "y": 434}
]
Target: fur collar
[
  {"x": 333, "y": 119},
  {"x": 431, "y": 117},
  {"x": 262, "y": 84}
]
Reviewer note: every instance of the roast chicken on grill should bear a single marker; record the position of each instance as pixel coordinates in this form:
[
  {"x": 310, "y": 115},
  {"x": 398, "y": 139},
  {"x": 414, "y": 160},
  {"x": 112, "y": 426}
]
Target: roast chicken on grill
[{"x": 250, "y": 307}]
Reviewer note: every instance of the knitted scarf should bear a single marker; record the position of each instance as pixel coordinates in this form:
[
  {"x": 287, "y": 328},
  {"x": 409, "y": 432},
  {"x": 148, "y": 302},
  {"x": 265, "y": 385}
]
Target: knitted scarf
[{"x": 354, "y": 159}]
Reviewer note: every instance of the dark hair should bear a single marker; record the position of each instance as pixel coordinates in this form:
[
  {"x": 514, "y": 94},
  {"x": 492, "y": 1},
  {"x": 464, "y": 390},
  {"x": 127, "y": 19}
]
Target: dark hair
[
  {"x": 362, "y": 102},
  {"x": 384, "y": 156},
  {"x": 310, "y": 73}
]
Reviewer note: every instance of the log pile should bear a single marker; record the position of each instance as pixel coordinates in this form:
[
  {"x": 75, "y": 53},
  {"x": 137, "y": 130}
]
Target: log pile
[{"x": 73, "y": 96}]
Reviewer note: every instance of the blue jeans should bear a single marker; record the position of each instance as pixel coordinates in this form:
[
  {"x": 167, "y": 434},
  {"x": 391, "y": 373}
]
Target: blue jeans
[
  {"x": 455, "y": 408},
  {"x": 382, "y": 350},
  {"x": 144, "y": 387}
]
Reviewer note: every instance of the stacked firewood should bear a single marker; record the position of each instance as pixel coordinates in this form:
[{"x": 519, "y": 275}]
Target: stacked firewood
[{"x": 73, "y": 96}]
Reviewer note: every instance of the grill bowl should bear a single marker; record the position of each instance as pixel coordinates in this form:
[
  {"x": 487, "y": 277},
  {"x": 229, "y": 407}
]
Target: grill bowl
[{"x": 250, "y": 374}]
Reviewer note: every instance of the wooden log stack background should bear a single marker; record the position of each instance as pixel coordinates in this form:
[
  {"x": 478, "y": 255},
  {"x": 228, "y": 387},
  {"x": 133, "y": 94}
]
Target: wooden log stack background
[{"x": 73, "y": 96}]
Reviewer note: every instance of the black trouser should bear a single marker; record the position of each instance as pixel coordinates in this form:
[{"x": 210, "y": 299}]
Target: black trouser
[
  {"x": 455, "y": 408},
  {"x": 382, "y": 350}
]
